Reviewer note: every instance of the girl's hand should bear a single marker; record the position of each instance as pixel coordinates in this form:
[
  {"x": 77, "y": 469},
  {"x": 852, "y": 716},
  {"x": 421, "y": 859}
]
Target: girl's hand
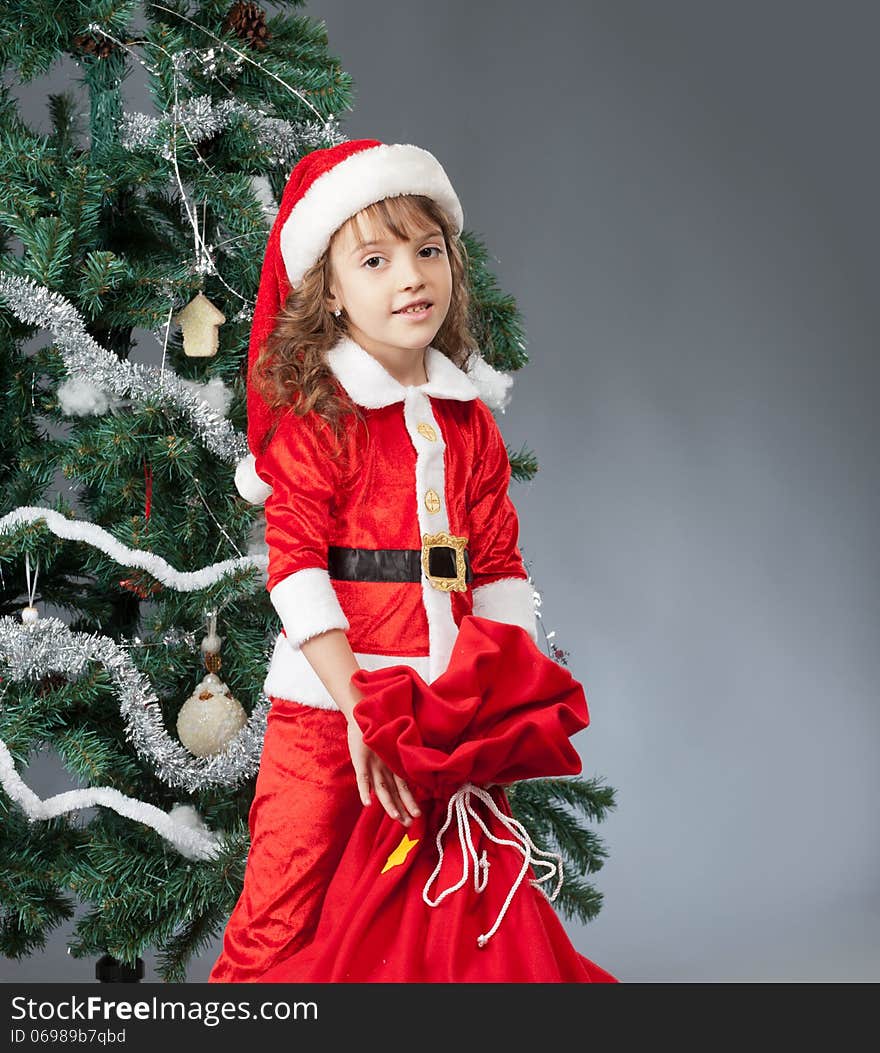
[{"x": 371, "y": 771}]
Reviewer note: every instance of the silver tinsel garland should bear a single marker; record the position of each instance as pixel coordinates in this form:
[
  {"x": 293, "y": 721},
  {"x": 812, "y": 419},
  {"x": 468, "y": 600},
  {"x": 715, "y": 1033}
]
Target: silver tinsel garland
[
  {"x": 201, "y": 117},
  {"x": 48, "y": 646},
  {"x": 84, "y": 357}
]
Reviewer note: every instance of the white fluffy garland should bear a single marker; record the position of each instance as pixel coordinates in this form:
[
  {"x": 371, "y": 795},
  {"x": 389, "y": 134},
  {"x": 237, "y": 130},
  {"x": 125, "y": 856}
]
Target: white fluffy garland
[
  {"x": 182, "y": 827},
  {"x": 80, "y": 397},
  {"x": 92, "y": 534}
]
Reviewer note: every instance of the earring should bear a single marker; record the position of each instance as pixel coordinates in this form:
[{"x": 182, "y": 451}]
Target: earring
[{"x": 338, "y": 312}]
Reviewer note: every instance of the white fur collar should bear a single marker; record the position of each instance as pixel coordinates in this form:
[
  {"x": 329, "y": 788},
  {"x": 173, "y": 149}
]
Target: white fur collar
[{"x": 370, "y": 385}]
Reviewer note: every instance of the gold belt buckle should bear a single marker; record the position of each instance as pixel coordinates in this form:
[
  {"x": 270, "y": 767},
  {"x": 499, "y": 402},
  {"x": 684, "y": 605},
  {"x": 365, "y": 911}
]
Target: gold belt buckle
[{"x": 456, "y": 584}]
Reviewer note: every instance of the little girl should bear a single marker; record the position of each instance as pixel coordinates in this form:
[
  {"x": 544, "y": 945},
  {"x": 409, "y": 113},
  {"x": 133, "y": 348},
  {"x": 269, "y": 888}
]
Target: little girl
[{"x": 385, "y": 480}]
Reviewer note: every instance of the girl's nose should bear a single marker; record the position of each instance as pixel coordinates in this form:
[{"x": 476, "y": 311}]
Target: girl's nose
[{"x": 410, "y": 275}]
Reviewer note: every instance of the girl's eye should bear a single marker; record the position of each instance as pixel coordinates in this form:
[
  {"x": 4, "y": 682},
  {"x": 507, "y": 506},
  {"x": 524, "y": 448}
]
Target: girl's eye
[{"x": 427, "y": 248}]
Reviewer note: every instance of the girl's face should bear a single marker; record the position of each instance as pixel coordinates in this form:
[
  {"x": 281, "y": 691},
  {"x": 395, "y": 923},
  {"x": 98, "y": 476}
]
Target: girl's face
[{"x": 372, "y": 281}]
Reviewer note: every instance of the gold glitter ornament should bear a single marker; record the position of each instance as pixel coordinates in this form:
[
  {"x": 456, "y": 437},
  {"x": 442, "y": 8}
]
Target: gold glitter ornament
[
  {"x": 200, "y": 321},
  {"x": 210, "y": 645}
]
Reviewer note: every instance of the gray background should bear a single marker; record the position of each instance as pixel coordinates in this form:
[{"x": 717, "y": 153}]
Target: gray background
[{"x": 682, "y": 199}]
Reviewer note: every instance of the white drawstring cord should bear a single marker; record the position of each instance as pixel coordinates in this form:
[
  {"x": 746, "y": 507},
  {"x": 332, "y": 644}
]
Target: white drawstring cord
[{"x": 461, "y": 803}]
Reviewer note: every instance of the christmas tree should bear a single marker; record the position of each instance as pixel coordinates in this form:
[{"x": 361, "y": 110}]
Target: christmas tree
[{"x": 146, "y": 683}]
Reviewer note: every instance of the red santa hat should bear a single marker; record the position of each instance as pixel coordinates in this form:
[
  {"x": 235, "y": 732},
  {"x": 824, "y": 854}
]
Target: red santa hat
[{"x": 325, "y": 188}]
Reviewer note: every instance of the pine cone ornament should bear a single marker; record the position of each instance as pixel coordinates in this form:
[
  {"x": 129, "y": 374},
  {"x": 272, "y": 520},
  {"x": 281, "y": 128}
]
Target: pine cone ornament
[
  {"x": 98, "y": 46},
  {"x": 248, "y": 22}
]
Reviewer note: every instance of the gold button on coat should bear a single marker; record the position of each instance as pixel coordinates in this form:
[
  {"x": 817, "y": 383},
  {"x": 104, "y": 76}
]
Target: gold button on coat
[
  {"x": 432, "y": 501},
  {"x": 427, "y": 431}
]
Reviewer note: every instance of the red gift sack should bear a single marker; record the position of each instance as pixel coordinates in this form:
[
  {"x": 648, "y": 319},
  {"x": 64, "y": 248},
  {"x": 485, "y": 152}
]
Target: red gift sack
[{"x": 455, "y": 897}]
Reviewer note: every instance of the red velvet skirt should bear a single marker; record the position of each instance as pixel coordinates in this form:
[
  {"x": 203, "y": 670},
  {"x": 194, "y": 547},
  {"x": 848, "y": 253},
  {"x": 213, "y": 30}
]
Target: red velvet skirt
[{"x": 305, "y": 806}]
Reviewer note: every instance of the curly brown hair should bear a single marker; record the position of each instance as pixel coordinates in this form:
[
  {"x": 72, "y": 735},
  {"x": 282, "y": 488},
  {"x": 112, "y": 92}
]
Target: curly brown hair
[{"x": 291, "y": 370}]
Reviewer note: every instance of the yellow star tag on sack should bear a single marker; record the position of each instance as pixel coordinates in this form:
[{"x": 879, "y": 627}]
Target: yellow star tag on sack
[{"x": 400, "y": 853}]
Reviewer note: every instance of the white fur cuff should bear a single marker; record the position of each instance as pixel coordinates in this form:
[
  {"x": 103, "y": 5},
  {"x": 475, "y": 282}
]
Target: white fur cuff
[
  {"x": 307, "y": 605},
  {"x": 251, "y": 487},
  {"x": 291, "y": 677},
  {"x": 510, "y": 600}
]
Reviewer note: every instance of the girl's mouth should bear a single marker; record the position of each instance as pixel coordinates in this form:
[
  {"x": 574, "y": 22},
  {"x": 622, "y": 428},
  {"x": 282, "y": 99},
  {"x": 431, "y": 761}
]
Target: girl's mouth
[{"x": 416, "y": 314}]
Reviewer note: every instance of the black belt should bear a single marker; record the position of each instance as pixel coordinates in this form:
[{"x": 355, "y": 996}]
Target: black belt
[{"x": 392, "y": 564}]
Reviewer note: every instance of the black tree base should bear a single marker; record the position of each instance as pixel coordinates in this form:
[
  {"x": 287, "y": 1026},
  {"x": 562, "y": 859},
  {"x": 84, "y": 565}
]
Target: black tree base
[{"x": 110, "y": 970}]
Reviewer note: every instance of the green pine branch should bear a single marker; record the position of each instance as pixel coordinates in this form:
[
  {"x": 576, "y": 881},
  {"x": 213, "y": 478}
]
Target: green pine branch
[{"x": 548, "y": 809}]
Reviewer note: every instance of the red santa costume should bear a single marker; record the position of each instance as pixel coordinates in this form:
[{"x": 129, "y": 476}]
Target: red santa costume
[{"x": 395, "y": 543}]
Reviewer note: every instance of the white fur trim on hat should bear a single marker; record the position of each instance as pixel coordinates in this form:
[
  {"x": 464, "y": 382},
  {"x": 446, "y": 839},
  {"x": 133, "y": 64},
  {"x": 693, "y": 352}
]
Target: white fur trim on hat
[
  {"x": 251, "y": 487},
  {"x": 358, "y": 180}
]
